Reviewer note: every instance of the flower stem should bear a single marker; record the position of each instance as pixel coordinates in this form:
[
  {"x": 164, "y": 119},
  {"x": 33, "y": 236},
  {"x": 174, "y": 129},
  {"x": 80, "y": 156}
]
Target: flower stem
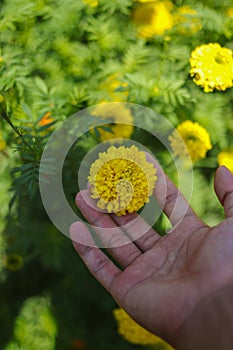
[{"x": 7, "y": 119}]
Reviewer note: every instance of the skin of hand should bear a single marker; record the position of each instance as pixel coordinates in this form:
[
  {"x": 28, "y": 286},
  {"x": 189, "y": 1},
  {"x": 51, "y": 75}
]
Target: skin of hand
[{"x": 160, "y": 281}]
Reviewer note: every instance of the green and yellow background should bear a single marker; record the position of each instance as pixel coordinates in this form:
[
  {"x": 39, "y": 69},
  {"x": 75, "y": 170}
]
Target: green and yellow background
[{"x": 58, "y": 57}]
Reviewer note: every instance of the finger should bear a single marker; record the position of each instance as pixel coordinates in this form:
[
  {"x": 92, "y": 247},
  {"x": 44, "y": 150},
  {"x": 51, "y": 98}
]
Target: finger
[
  {"x": 112, "y": 237},
  {"x": 223, "y": 185},
  {"x": 138, "y": 230},
  {"x": 174, "y": 204},
  {"x": 101, "y": 267}
]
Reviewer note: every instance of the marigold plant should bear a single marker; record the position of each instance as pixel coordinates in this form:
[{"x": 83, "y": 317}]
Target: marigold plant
[
  {"x": 212, "y": 67},
  {"x": 153, "y": 18},
  {"x": 196, "y": 141}
]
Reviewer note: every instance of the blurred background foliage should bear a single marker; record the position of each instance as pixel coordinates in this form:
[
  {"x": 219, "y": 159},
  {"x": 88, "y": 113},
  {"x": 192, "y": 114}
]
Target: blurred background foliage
[{"x": 56, "y": 58}]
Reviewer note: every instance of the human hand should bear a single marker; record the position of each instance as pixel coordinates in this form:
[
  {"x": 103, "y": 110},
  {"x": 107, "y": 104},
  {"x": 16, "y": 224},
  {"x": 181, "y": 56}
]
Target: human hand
[{"x": 162, "y": 279}]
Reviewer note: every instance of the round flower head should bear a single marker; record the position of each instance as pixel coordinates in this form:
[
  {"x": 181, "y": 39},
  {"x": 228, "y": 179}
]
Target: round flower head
[
  {"x": 212, "y": 67},
  {"x": 121, "y": 180},
  {"x": 133, "y": 333},
  {"x": 118, "y": 114},
  {"x": 153, "y": 18},
  {"x": 196, "y": 141},
  {"x": 226, "y": 158}
]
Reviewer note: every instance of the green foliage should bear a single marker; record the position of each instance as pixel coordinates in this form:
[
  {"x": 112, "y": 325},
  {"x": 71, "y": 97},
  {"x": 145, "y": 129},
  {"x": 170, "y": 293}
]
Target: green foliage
[{"x": 34, "y": 325}]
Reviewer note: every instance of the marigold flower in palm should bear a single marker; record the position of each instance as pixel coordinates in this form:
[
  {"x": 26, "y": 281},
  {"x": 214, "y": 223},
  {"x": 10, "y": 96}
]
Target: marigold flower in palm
[
  {"x": 121, "y": 126},
  {"x": 226, "y": 158},
  {"x": 153, "y": 18},
  {"x": 212, "y": 67},
  {"x": 133, "y": 333},
  {"x": 122, "y": 179},
  {"x": 196, "y": 141}
]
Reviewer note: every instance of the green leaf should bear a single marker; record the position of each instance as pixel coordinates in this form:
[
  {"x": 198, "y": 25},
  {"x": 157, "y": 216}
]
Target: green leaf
[
  {"x": 27, "y": 110},
  {"x": 106, "y": 128},
  {"x": 97, "y": 133},
  {"x": 41, "y": 85}
]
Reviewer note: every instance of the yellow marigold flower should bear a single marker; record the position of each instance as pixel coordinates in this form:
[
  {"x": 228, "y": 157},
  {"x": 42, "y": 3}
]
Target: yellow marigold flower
[
  {"x": 122, "y": 179},
  {"x": 13, "y": 262},
  {"x": 196, "y": 140},
  {"x": 92, "y": 3},
  {"x": 118, "y": 114},
  {"x": 153, "y": 18},
  {"x": 133, "y": 333},
  {"x": 186, "y": 20},
  {"x": 111, "y": 84},
  {"x": 212, "y": 67},
  {"x": 2, "y": 143},
  {"x": 226, "y": 158}
]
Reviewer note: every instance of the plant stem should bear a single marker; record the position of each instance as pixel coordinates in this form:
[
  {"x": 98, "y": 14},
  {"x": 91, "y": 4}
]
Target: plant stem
[{"x": 5, "y": 116}]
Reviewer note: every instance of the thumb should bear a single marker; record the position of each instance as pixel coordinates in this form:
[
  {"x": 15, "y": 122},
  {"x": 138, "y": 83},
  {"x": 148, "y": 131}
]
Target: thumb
[{"x": 223, "y": 185}]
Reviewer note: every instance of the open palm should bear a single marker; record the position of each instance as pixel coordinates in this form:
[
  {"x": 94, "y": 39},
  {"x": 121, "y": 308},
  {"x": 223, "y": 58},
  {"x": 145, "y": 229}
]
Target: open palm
[{"x": 161, "y": 280}]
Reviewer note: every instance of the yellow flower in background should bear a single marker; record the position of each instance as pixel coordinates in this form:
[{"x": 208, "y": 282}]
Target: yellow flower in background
[
  {"x": 122, "y": 179},
  {"x": 212, "y": 67},
  {"x": 118, "y": 114},
  {"x": 229, "y": 11},
  {"x": 133, "y": 333},
  {"x": 2, "y": 143},
  {"x": 195, "y": 137},
  {"x": 92, "y": 3},
  {"x": 13, "y": 262},
  {"x": 186, "y": 20},
  {"x": 111, "y": 84},
  {"x": 226, "y": 158},
  {"x": 153, "y": 18}
]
